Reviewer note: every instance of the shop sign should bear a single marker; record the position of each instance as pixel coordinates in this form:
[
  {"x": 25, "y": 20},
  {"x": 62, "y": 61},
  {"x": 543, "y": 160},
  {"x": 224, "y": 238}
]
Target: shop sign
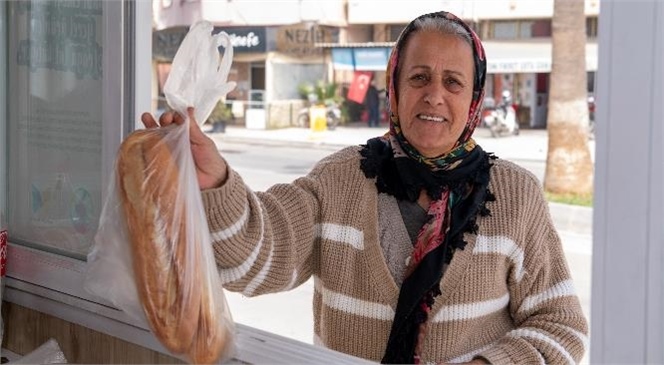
[
  {"x": 165, "y": 43},
  {"x": 519, "y": 66},
  {"x": 300, "y": 40},
  {"x": 246, "y": 39}
]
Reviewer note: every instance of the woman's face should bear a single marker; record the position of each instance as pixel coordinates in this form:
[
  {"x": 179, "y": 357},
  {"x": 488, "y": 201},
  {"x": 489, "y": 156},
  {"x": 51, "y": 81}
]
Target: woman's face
[{"x": 435, "y": 89}]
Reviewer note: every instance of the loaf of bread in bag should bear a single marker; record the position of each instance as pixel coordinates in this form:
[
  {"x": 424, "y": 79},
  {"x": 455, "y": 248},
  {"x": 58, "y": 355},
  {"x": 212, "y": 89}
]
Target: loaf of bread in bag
[
  {"x": 211, "y": 340},
  {"x": 167, "y": 273}
]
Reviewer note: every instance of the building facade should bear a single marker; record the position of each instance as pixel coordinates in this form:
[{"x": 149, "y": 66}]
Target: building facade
[
  {"x": 274, "y": 46},
  {"x": 334, "y": 41},
  {"x": 516, "y": 36}
]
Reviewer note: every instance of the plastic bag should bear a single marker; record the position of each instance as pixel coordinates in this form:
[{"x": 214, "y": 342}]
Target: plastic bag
[
  {"x": 153, "y": 256},
  {"x": 47, "y": 353},
  {"x": 196, "y": 77}
]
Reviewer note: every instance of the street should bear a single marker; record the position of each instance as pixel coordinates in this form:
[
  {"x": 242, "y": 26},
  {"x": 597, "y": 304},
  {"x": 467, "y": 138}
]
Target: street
[
  {"x": 285, "y": 146},
  {"x": 264, "y": 163},
  {"x": 268, "y": 162}
]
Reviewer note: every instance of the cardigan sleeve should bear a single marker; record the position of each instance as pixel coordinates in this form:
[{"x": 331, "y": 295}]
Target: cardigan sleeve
[
  {"x": 550, "y": 327},
  {"x": 263, "y": 241}
]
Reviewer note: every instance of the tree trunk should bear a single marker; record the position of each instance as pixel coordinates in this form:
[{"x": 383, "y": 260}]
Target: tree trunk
[{"x": 569, "y": 168}]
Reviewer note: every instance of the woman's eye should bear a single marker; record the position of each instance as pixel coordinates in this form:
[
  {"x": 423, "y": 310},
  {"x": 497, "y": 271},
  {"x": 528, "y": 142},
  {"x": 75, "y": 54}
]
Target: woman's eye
[
  {"x": 419, "y": 79},
  {"x": 453, "y": 83}
]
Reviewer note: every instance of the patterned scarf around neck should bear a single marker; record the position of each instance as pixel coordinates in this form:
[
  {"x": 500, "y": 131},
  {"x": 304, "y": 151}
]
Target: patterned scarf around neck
[{"x": 457, "y": 184}]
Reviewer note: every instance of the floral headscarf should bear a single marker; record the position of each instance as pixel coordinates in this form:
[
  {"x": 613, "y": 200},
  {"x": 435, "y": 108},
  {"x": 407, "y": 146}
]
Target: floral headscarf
[{"x": 464, "y": 143}]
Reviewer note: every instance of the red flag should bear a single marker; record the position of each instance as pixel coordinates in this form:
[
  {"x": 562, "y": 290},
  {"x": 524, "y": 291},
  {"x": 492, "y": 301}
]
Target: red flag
[
  {"x": 3, "y": 253},
  {"x": 359, "y": 86}
]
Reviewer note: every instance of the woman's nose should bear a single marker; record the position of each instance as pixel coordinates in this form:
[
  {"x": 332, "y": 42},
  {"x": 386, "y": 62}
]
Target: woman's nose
[{"x": 435, "y": 94}]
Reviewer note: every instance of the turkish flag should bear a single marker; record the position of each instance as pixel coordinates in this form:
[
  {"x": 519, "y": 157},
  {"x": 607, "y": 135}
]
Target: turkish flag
[
  {"x": 3, "y": 253},
  {"x": 359, "y": 86}
]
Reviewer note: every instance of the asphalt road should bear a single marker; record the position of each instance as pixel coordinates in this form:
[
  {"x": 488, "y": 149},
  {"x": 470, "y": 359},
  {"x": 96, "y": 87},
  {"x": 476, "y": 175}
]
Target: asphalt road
[{"x": 264, "y": 164}]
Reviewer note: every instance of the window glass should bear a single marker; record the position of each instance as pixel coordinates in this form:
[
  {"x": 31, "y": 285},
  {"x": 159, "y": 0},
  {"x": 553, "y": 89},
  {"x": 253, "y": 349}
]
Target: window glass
[
  {"x": 516, "y": 29},
  {"x": 54, "y": 123},
  {"x": 395, "y": 31},
  {"x": 541, "y": 28},
  {"x": 526, "y": 29},
  {"x": 505, "y": 30},
  {"x": 591, "y": 27}
]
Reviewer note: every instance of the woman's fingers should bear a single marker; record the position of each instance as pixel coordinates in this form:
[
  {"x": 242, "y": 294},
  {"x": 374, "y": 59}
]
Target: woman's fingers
[
  {"x": 166, "y": 119},
  {"x": 148, "y": 120},
  {"x": 170, "y": 117},
  {"x": 177, "y": 118},
  {"x": 192, "y": 115},
  {"x": 197, "y": 135}
]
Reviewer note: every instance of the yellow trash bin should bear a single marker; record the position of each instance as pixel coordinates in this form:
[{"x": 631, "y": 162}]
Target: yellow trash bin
[{"x": 317, "y": 119}]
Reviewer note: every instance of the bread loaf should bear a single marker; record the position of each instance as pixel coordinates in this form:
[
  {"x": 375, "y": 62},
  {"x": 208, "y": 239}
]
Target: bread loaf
[
  {"x": 176, "y": 295},
  {"x": 210, "y": 341}
]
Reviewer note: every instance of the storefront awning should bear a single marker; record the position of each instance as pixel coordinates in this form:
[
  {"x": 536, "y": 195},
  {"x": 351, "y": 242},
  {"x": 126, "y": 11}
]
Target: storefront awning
[
  {"x": 360, "y": 59},
  {"x": 533, "y": 56}
]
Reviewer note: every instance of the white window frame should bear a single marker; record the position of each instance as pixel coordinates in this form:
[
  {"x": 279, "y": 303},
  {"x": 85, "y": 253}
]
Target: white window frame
[
  {"x": 3, "y": 112},
  {"x": 627, "y": 320}
]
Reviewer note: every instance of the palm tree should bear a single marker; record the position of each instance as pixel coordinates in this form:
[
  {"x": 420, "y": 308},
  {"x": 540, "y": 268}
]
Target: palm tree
[{"x": 569, "y": 169}]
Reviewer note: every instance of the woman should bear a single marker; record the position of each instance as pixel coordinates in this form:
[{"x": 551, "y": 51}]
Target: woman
[{"x": 423, "y": 247}]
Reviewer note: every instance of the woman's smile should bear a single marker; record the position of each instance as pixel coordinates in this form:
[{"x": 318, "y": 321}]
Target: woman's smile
[{"x": 431, "y": 118}]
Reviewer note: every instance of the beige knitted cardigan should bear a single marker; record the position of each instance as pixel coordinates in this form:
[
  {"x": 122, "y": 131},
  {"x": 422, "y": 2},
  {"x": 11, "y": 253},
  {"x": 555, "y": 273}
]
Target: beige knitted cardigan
[{"x": 508, "y": 296}]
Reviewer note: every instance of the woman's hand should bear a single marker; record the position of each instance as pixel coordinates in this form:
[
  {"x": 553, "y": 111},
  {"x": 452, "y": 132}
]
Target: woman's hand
[{"x": 211, "y": 169}]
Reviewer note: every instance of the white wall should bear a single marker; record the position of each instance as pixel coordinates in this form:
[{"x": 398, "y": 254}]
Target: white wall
[
  {"x": 509, "y": 9},
  {"x": 395, "y": 12},
  {"x": 524, "y": 9},
  {"x": 628, "y": 255},
  {"x": 248, "y": 12},
  {"x": 332, "y": 12}
]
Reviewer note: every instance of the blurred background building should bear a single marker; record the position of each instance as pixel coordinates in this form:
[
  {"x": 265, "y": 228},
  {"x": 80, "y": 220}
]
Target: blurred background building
[{"x": 281, "y": 45}]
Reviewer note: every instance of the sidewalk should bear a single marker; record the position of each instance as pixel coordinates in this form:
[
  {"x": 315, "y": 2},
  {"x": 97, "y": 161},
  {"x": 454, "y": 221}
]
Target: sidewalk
[{"x": 530, "y": 145}]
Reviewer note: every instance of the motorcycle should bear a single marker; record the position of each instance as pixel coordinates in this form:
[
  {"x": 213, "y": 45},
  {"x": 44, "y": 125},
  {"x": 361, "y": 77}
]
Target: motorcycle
[
  {"x": 502, "y": 121},
  {"x": 332, "y": 116}
]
